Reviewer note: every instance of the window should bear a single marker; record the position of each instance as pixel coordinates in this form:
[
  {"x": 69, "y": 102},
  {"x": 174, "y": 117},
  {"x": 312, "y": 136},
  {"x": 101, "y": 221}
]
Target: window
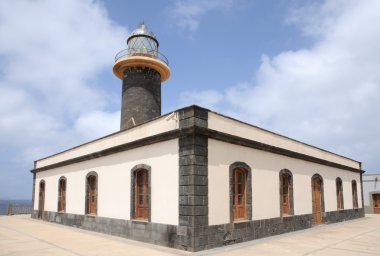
[
  {"x": 318, "y": 198},
  {"x": 62, "y": 194},
  {"x": 140, "y": 201},
  {"x": 286, "y": 193},
  {"x": 141, "y": 194},
  {"x": 354, "y": 195},
  {"x": 339, "y": 193},
  {"x": 41, "y": 200},
  {"x": 239, "y": 193},
  {"x": 92, "y": 193}
]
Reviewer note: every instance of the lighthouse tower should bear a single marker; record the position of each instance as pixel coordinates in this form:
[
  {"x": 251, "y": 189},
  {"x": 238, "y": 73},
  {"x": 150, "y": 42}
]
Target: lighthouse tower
[{"x": 142, "y": 69}]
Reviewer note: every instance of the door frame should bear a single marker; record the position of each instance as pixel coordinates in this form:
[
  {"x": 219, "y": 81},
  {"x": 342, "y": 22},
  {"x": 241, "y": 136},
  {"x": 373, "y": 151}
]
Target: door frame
[
  {"x": 290, "y": 192},
  {"x": 87, "y": 203},
  {"x": 136, "y": 168},
  {"x": 235, "y": 193},
  {"x": 317, "y": 176},
  {"x": 41, "y": 201},
  {"x": 370, "y": 199}
]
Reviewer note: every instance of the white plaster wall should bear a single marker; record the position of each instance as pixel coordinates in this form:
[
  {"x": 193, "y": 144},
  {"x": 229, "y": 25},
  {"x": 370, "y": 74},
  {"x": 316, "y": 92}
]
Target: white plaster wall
[
  {"x": 114, "y": 183},
  {"x": 265, "y": 182},
  {"x": 370, "y": 184},
  {"x": 234, "y": 127},
  {"x": 154, "y": 127}
]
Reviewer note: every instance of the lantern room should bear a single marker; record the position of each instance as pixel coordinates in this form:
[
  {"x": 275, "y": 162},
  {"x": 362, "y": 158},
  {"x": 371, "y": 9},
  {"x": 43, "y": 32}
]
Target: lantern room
[{"x": 142, "y": 51}]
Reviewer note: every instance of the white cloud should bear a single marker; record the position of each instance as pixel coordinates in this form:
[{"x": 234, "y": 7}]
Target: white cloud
[
  {"x": 51, "y": 54},
  {"x": 95, "y": 124},
  {"x": 188, "y": 13},
  {"x": 208, "y": 99},
  {"x": 327, "y": 95}
]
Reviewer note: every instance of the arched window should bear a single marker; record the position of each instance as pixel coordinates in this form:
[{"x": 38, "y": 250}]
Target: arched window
[
  {"x": 318, "y": 198},
  {"x": 62, "y": 194},
  {"x": 92, "y": 193},
  {"x": 354, "y": 195},
  {"x": 240, "y": 192},
  {"x": 286, "y": 193},
  {"x": 41, "y": 199},
  {"x": 339, "y": 193},
  {"x": 140, "y": 209}
]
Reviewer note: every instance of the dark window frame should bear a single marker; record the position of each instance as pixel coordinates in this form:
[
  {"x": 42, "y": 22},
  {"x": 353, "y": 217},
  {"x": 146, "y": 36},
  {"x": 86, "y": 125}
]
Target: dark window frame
[
  {"x": 317, "y": 175},
  {"x": 355, "y": 202},
  {"x": 248, "y": 191},
  {"x": 339, "y": 194},
  {"x": 87, "y": 206},
  {"x": 290, "y": 192},
  {"x": 62, "y": 178},
  {"x": 41, "y": 205},
  {"x": 134, "y": 170}
]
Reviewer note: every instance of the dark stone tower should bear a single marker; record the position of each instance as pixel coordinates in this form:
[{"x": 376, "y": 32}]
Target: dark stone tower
[{"x": 142, "y": 69}]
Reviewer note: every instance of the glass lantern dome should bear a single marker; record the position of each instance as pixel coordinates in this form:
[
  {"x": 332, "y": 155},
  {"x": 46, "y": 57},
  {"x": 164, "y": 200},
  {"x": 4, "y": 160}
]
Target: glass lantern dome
[
  {"x": 142, "y": 51},
  {"x": 142, "y": 41}
]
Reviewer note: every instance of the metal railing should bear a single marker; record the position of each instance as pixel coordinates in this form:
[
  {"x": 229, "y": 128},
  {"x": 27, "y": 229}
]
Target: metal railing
[
  {"x": 19, "y": 209},
  {"x": 139, "y": 52}
]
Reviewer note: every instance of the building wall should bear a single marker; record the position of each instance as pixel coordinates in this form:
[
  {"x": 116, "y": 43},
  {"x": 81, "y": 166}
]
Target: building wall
[
  {"x": 154, "y": 127},
  {"x": 371, "y": 184},
  {"x": 265, "y": 182},
  {"x": 114, "y": 183},
  {"x": 230, "y": 126}
]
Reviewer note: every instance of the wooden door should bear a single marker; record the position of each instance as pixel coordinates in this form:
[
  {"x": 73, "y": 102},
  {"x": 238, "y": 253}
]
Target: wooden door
[
  {"x": 141, "y": 195},
  {"x": 376, "y": 203},
  {"x": 62, "y": 195},
  {"x": 285, "y": 205},
  {"x": 339, "y": 194},
  {"x": 354, "y": 195},
  {"x": 239, "y": 194},
  {"x": 92, "y": 195},
  {"x": 41, "y": 200},
  {"x": 317, "y": 200}
]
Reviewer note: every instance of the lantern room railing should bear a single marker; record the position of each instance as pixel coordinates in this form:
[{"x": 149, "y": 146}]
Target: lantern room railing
[{"x": 139, "y": 52}]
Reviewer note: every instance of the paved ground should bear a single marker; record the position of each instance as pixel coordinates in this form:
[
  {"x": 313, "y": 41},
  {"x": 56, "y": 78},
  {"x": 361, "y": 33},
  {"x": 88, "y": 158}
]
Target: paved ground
[{"x": 21, "y": 235}]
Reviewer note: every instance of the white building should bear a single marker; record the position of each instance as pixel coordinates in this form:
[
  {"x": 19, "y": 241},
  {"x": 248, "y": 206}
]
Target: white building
[
  {"x": 371, "y": 193},
  {"x": 192, "y": 179}
]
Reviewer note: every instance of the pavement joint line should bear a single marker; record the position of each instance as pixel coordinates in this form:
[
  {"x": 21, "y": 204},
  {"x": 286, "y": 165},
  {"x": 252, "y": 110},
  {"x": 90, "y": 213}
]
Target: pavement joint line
[
  {"x": 341, "y": 241},
  {"x": 355, "y": 251},
  {"x": 43, "y": 241},
  {"x": 276, "y": 237},
  {"x": 266, "y": 239},
  {"x": 114, "y": 238}
]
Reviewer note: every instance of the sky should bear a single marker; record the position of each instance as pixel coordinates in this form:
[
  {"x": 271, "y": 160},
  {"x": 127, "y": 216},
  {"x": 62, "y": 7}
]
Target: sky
[{"x": 306, "y": 69}]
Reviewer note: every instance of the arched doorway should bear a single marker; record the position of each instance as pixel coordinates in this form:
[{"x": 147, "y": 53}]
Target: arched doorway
[
  {"x": 41, "y": 200},
  {"x": 317, "y": 194},
  {"x": 239, "y": 193},
  {"x": 92, "y": 199}
]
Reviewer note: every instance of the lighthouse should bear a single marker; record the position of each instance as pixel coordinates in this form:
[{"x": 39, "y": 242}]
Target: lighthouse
[{"x": 142, "y": 69}]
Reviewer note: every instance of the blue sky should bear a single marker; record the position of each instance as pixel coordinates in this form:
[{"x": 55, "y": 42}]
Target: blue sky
[{"x": 305, "y": 69}]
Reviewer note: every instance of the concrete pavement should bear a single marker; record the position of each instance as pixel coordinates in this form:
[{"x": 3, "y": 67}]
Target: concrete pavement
[{"x": 21, "y": 235}]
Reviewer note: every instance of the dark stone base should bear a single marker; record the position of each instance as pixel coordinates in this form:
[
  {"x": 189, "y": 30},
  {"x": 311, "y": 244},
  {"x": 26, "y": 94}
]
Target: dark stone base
[
  {"x": 154, "y": 233},
  {"x": 343, "y": 215},
  {"x": 221, "y": 235},
  {"x": 201, "y": 237}
]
